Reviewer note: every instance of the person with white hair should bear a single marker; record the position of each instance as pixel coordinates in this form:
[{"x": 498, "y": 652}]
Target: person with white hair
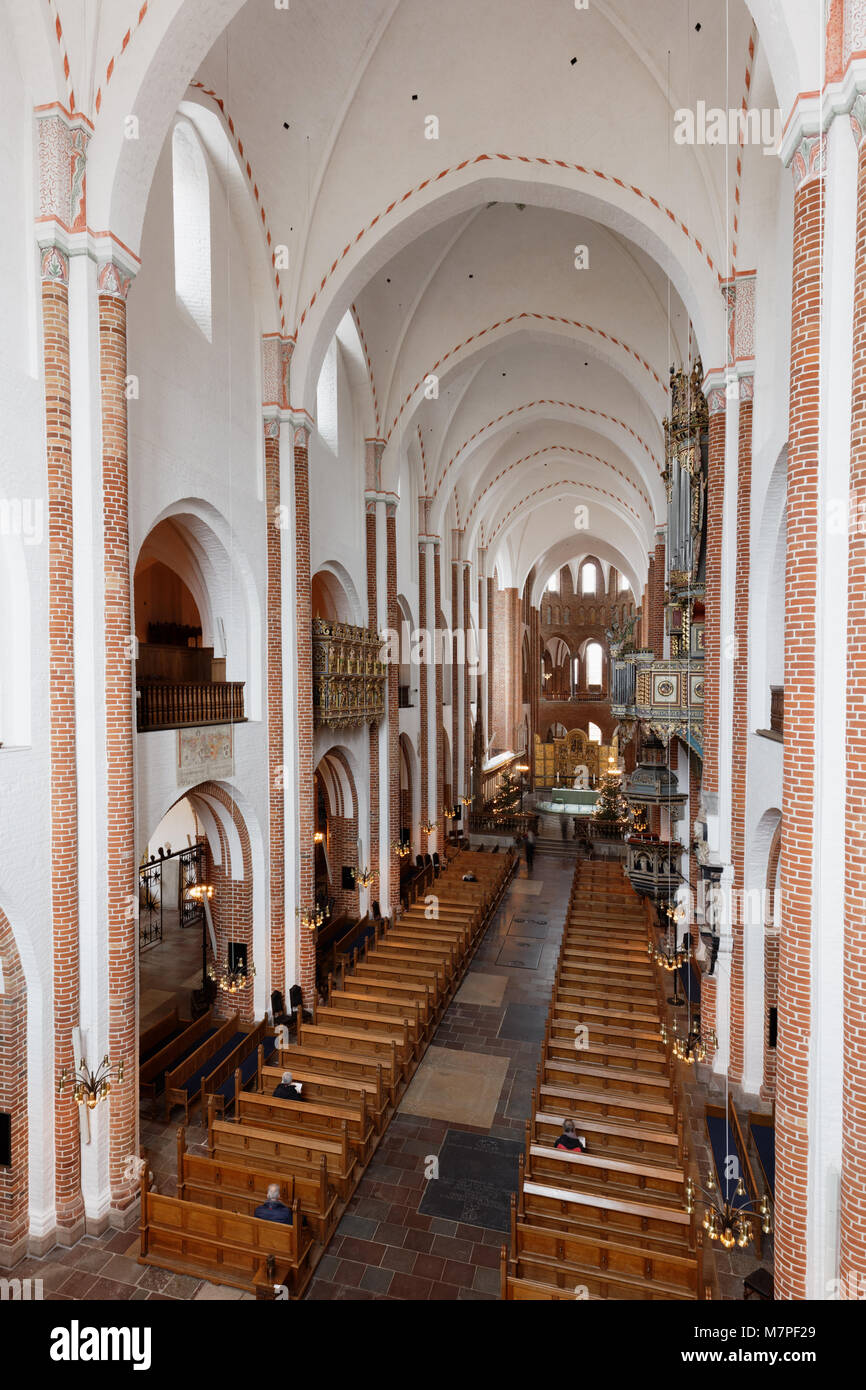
[
  {"x": 288, "y": 1089},
  {"x": 272, "y": 1209}
]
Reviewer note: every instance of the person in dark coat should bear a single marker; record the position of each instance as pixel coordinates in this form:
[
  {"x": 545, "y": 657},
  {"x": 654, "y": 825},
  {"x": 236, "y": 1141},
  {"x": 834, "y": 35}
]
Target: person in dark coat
[
  {"x": 568, "y": 1139},
  {"x": 288, "y": 1089},
  {"x": 273, "y": 1209},
  {"x": 530, "y": 850}
]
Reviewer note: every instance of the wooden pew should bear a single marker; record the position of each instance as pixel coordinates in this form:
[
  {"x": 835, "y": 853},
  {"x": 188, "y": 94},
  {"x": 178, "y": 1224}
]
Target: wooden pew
[
  {"x": 154, "y": 1068},
  {"x": 358, "y": 1000},
  {"x": 285, "y": 1153},
  {"x": 373, "y": 1047},
  {"x": 176, "y": 1081},
  {"x": 160, "y": 1034},
  {"x": 309, "y": 1116},
  {"x": 328, "y": 1089},
  {"x": 342, "y": 1067},
  {"x": 223, "y": 1247},
  {"x": 609, "y": 1139},
  {"x": 635, "y": 1222},
  {"x": 242, "y": 1187},
  {"x": 663, "y": 1183},
  {"x": 243, "y": 1054},
  {"x": 608, "y": 1268}
]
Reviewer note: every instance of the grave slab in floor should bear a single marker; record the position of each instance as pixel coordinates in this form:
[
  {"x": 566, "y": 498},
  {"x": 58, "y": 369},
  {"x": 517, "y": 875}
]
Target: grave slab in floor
[
  {"x": 526, "y": 886},
  {"x": 463, "y": 1087},
  {"x": 480, "y": 988},
  {"x": 517, "y": 950},
  {"x": 522, "y": 926},
  {"x": 523, "y": 1023},
  {"x": 477, "y": 1175}
]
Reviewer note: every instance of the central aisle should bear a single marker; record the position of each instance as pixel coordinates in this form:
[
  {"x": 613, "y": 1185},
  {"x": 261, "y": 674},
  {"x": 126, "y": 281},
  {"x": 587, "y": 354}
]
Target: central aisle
[{"x": 407, "y": 1233}]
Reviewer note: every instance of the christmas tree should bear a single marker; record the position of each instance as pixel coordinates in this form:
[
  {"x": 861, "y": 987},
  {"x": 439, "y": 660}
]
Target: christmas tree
[
  {"x": 506, "y": 801},
  {"x": 611, "y": 809}
]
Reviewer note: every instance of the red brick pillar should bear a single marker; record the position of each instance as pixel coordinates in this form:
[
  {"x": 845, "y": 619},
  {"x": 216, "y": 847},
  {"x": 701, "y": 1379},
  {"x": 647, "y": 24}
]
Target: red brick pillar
[
  {"x": 393, "y": 711},
  {"x": 852, "y": 1256},
  {"x": 14, "y": 1179},
  {"x": 491, "y": 627},
  {"x": 276, "y": 792},
  {"x": 61, "y": 677},
  {"x": 113, "y": 284},
  {"x": 304, "y": 666},
  {"x": 456, "y": 684},
  {"x": 716, "y": 402},
  {"x": 798, "y": 776},
  {"x": 467, "y": 693},
  {"x": 423, "y": 696},
  {"x": 740, "y": 728},
  {"x": 436, "y": 609},
  {"x": 373, "y": 623}
]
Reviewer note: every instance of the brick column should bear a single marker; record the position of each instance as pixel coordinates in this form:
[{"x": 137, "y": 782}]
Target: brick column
[
  {"x": 467, "y": 695},
  {"x": 852, "y": 1255},
  {"x": 490, "y": 611},
  {"x": 792, "y": 1108},
  {"x": 113, "y": 282},
  {"x": 304, "y": 667},
  {"x": 393, "y": 710},
  {"x": 276, "y": 792},
  {"x": 61, "y": 694},
  {"x": 423, "y": 696},
  {"x": 373, "y": 740},
  {"x": 436, "y": 606},
  {"x": 456, "y": 683},
  {"x": 740, "y": 740},
  {"x": 716, "y": 403},
  {"x": 14, "y": 1179}
]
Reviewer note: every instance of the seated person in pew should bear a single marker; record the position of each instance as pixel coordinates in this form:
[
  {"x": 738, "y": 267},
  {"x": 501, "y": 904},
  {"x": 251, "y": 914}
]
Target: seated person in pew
[
  {"x": 569, "y": 1140},
  {"x": 288, "y": 1089},
  {"x": 272, "y": 1209}
]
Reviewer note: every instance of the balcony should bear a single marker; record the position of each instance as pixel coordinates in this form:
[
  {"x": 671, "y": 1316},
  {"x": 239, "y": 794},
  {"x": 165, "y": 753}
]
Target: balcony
[
  {"x": 348, "y": 677},
  {"x": 186, "y": 704},
  {"x": 668, "y": 696}
]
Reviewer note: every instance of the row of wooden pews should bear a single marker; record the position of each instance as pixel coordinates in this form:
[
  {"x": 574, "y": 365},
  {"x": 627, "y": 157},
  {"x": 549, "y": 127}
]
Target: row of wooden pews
[
  {"x": 609, "y": 1223},
  {"x": 354, "y": 1060}
]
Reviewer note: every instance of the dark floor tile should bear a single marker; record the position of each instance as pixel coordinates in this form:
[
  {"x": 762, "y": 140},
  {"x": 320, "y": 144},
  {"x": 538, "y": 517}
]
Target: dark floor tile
[
  {"x": 365, "y": 1227},
  {"x": 349, "y": 1272},
  {"x": 428, "y": 1266},
  {"x": 377, "y": 1280},
  {"x": 368, "y": 1252},
  {"x": 406, "y": 1286},
  {"x": 418, "y": 1240},
  {"x": 402, "y": 1260}
]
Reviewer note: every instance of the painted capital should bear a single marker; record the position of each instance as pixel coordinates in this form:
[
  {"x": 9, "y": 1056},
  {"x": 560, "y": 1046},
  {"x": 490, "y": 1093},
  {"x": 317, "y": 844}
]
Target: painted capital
[
  {"x": 272, "y": 427},
  {"x": 858, "y": 118},
  {"x": 276, "y": 370},
  {"x": 55, "y": 265},
  {"x": 810, "y": 160},
  {"x": 716, "y": 400},
  {"x": 373, "y": 452},
  {"x": 302, "y": 428},
  {"x": 61, "y": 155},
  {"x": 113, "y": 280},
  {"x": 747, "y": 387}
]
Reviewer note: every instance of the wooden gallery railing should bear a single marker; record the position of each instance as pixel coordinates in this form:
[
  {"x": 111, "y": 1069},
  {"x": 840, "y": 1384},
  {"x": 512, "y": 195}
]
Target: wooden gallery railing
[{"x": 186, "y": 704}]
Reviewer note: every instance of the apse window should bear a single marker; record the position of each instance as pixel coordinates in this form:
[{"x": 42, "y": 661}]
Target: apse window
[
  {"x": 587, "y": 579},
  {"x": 623, "y": 583},
  {"x": 192, "y": 267},
  {"x": 593, "y": 664},
  {"x": 594, "y": 733}
]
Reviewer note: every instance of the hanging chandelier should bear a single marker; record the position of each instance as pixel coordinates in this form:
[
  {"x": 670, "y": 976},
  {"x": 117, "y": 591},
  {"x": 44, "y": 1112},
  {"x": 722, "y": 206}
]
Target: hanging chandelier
[
  {"x": 313, "y": 920},
  {"x": 449, "y": 812},
  {"x": 428, "y": 827},
  {"x": 401, "y": 848},
  {"x": 199, "y": 892},
  {"x": 465, "y": 800},
  {"x": 695, "y": 1046},
  {"x": 364, "y": 878},
  {"x": 725, "y": 1221},
  {"x": 231, "y": 980},
  {"x": 89, "y": 1087}
]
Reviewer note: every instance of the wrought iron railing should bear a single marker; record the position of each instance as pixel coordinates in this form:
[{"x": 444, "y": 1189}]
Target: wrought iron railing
[
  {"x": 187, "y": 704},
  {"x": 149, "y": 904}
]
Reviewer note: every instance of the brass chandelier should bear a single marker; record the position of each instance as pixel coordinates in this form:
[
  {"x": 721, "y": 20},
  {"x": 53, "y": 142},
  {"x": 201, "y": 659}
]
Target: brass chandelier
[
  {"x": 232, "y": 981},
  {"x": 89, "y": 1087},
  {"x": 729, "y": 1224},
  {"x": 696, "y": 1046}
]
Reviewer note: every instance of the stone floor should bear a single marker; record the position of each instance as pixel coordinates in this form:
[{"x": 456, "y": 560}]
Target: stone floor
[
  {"x": 467, "y": 1116},
  {"x": 431, "y": 1212}
]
